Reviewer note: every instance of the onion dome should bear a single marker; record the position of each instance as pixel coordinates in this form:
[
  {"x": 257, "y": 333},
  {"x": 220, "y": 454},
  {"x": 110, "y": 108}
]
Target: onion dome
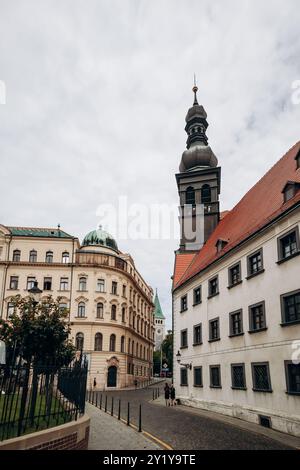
[
  {"x": 198, "y": 154},
  {"x": 100, "y": 237}
]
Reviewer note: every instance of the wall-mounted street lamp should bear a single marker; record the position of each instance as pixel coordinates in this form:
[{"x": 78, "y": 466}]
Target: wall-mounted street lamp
[
  {"x": 35, "y": 293},
  {"x": 178, "y": 357}
]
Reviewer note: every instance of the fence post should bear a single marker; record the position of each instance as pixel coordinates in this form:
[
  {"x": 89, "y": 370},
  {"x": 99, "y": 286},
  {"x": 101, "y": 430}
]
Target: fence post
[
  {"x": 101, "y": 401},
  {"x": 105, "y": 409},
  {"x": 112, "y": 406},
  {"x": 140, "y": 419},
  {"x": 128, "y": 414},
  {"x": 96, "y": 399},
  {"x": 119, "y": 410},
  {"x": 152, "y": 394}
]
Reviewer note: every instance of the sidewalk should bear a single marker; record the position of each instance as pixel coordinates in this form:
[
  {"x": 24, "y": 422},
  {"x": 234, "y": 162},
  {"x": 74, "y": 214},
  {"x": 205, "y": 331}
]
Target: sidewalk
[
  {"x": 285, "y": 439},
  {"x": 107, "y": 433}
]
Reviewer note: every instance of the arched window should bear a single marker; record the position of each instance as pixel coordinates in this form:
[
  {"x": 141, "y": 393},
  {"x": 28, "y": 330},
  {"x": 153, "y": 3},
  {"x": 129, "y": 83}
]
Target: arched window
[
  {"x": 16, "y": 255},
  {"x": 123, "y": 314},
  {"x": 32, "y": 256},
  {"x": 129, "y": 341},
  {"x": 98, "y": 342},
  {"x": 122, "y": 344},
  {"x": 113, "y": 312},
  {"x": 138, "y": 324},
  {"x": 141, "y": 351},
  {"x": 49, "y": 257},
  {"x": 82, "y": 283},
  {"x": 99, "y": 313},
  {"x": 144, "y": 353},
  {"x": 81, "y": 309},
  {"x": 112, "y": 343},
  {"x": 79, "y": 341},
  {"x": 65, "y": 257},
  {"x": 205, "y": 194},
  {"x": 137, "y": 350},
  {"x": 190, "y": 195},
  {"x": 132, "y": 348}
]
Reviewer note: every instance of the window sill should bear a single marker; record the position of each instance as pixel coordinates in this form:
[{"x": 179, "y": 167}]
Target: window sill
[
  {"x": 213, "y": 295},
  {"x": 63, "y": 290},
  {"x": 213, "y": 340},
  {"x": 197, "y": 344},
  {"x": 97, "y": 318},
  {"x": 215, "y": 386},
  {"x": 289, "y": 323},
  {"x": 234, "y": 285},
  {"x": 82, "y": 290},
  {"x": 237, "y": 334},
  {"x": 255, "y": 274},
  {"x": 197, "y": 303},
  {"x": 292, "y": 393},
  {"x": 80, "y": 318},
  {"x": 13, "y": 289},
  {"x": 257, "y": 331},
  {"x": 262, "y": 391},
  {"x": 184, "y": 347},
  {"x": 100, "y": 292},
  {"x": 239, "y": 388},
  {"x": 280, "y": 261},
  {"x": 198, "y": 386},
  {"x": 185, "y": 310},
  {"x": 183, "y": 385}
]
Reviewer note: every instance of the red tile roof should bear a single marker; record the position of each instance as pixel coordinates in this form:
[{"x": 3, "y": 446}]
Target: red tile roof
[
  {"x": 182, "y": 261},
  {"x": 260, "y": 205}
]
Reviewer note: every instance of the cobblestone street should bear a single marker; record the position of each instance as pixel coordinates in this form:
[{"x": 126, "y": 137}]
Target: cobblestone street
[{"x": 186, "y": 428}]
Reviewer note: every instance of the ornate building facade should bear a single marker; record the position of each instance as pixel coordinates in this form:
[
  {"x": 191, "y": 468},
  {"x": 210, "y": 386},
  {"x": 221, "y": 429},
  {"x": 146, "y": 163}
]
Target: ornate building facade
[
  {"x": 110, "y": 305},
  {"x": 236, "y": 297}
]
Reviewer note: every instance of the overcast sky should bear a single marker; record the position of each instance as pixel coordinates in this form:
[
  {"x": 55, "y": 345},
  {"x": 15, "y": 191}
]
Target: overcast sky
[{"x": 97, "y": 93}]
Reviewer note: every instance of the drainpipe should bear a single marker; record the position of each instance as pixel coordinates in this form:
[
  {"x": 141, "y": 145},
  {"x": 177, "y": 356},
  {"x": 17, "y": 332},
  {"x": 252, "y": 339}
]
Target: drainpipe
[{"x": 5, "y": 276}]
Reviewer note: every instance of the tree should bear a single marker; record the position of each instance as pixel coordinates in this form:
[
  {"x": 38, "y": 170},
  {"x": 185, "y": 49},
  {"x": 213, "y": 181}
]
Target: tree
[{"x": 167, "y": 350}]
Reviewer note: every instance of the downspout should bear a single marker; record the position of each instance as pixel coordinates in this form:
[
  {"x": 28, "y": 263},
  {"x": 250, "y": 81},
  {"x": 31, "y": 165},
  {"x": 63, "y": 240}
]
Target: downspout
[{"x": 5, "y": 276}]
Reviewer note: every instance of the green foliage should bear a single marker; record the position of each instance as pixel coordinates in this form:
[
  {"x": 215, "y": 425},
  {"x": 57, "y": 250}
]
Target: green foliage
[
  {"x": 38, "y": 332},
  {"x": 167, "y": 350}
]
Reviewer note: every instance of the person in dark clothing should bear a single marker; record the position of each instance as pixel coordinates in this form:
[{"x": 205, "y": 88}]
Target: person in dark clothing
[
  {"x": 167, "y": 394},
  {"x": 173, "y": 395},
  {"x": 95, "y": 382}
]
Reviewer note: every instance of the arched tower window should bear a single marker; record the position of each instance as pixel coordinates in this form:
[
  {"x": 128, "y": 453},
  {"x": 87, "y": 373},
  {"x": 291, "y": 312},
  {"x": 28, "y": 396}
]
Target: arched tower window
[
  {"x": 79, "y": 341},
  {"x": 112, "y": 343},
  {"x": 190, "y": 195},
  {"x": 205, "y": 194},
  {"x": 98, "y": 342},
  {"x": 113, "y": 312}
]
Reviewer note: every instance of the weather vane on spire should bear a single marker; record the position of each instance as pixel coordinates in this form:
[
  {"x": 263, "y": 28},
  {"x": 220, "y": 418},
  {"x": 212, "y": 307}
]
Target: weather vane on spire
[{"x": 195, "y": 89}]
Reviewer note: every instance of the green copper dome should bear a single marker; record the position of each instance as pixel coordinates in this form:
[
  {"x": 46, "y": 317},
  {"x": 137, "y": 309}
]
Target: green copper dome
[{"x": 100, "y": 237}]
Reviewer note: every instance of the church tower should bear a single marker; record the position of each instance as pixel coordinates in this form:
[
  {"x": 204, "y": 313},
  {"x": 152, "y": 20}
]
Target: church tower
[
  {"x": 198, "y": 182},
  {"x": 159, "y": 325}
]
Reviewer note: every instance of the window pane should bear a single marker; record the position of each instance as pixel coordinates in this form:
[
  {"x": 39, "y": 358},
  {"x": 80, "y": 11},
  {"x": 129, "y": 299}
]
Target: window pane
[{"x": 260, "y": 377}]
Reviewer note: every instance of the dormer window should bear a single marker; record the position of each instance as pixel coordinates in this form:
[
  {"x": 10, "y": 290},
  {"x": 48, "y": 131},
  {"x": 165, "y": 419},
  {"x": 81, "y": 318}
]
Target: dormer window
[
  {"x": 297, "y": 158},
  {"x": 190, "y": 195},
  {"x": 221, "y": 243},
  {"x": 290, "y": 189}
]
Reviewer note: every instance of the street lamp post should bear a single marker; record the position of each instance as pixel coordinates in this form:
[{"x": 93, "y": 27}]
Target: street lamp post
[
  {"x": 178, "y": 357},
  {"x": 35, "y": 293}
]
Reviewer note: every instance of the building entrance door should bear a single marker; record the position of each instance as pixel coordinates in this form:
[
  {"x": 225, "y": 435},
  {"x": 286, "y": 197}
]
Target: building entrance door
[{"x": 112, "y": 376}]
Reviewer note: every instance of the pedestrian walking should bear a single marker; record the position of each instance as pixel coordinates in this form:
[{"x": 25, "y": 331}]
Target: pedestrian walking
[
  {"x": 172, "y": 395},
  {"x": 95, "y": 382},
  {"x": 167, "y": 394}
]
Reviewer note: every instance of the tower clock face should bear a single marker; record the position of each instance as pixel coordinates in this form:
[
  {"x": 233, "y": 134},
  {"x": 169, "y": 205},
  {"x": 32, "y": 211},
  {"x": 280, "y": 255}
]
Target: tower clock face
[{"x": 158, "y": 332}]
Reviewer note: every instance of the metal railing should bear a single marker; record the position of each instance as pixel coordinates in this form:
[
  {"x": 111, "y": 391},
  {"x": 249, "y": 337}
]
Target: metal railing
[{"x": 33, "y": 398}]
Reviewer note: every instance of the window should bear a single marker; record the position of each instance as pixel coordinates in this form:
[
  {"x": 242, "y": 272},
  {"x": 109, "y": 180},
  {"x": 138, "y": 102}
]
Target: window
[
  {"x": 10, "y": 309},
  {"x": 261, "y": 377},
  {"x": 215, "y": 376},
  {"x": 214, "y": 330},
  {"x": 198, "y": 334},
  {"x": 63, "y": 306},
  {"x": 257, "y": 317},
  {"x": 49, "y": 257},
  {"x": 114, "y": 287},
  {"x": 113, "y": 312},
  {"x": 132, "y": 348},
  {"x": 198, "y": 377},
  {"x": 255, "y": 263},
  {"x": 238, "y": 376},
  {"x": 292, "y": 372},
  {"x": 79, "y": 341},
  {"x": 129, "y": 345},
  {"x": 14, "y": 282},
  {"x": 190, "y": 195},
  {"x": 98, "y": 342},
  {"x": 290, "y": 307},
  {"x": 122, "y": 344},
  {"x": 213, "y": 287},
  {"x": 290, "y": 189},
  {"x": 81, "y": 310},
  {"x": 183, "y": 302},
  {"x": 205, "y": 194},
  {"x": 65, "y": 257},
  {"x": 82, "y": 283},
  {"x": 124, "y": 290},
  {"x": 123, "y": 314},
  {"x": 16, "y": 255},
  {"x": 100, "y": 285},
  {"x": 236, "y": 323},
  {"x": 112, "y": 343},
  {"x": 197, "y": 295},
  {"x": 183, "y": 376},
  {"x": 33, "y": 256},
  {"x": 99, "y": 310},
  {"x": 288, "y": 245},
  {"x": 183, "y": 339},
  {"x": 30, "y": 282},
  {"x": 64, "y": 283},
  {"x": 234, "y": 275},
  {"x": 47, "y": 283}
]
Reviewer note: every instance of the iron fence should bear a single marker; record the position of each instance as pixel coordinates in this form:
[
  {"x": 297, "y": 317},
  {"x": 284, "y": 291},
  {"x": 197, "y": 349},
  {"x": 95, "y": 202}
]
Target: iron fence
[{"x": 33, "y": 397}]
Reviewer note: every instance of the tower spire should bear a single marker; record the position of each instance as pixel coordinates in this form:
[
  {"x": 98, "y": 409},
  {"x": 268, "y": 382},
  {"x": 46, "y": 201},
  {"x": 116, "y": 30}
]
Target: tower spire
[{"x": 195, "y": 89}]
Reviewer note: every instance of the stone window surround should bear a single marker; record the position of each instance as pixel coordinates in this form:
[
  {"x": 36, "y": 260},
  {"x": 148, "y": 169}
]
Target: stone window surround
[{"x": 281, "y": 259}]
